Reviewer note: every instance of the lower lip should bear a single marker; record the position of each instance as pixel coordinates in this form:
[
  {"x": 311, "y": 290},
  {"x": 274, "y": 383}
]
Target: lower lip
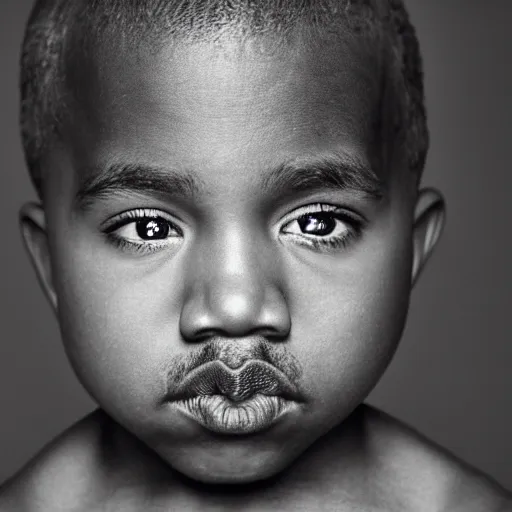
[{"x": 219, "y": 414}]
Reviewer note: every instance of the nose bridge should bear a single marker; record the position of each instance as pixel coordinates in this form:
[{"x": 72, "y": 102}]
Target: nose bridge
[
  {"x": 236, "y": 259},
  {"x": 235, "y": 275},
  {"x": 235, "y": 287}
]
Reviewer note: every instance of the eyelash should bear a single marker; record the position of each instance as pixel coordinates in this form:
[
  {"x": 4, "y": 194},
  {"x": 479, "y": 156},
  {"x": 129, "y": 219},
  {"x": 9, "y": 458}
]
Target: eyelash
[
  {"x": 325, "y": 243},
  {"x": 316, "y": 242},
  {"x": 132, "y": 216}
]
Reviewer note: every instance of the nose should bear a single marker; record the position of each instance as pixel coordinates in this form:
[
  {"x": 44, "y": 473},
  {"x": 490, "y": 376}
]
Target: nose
[{"x": 233, "y": 290}]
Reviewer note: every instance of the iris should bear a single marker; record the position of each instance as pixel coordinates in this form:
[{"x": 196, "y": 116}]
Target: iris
[
  {"x": 319, "y": 224},
  {"x": 152, "y": 229}
]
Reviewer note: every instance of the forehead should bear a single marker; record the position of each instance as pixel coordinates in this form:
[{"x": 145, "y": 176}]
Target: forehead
[{"x": 236, "y": 107}]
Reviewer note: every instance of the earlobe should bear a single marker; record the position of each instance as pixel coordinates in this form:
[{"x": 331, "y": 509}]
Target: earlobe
[
  {"x": 32, "y": 220},
  {"x": 429, "y": 219}
]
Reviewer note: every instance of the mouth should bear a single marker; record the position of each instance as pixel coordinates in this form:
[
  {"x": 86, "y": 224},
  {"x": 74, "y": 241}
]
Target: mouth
[
  {"x": 221, "y": 415},
  {"x": 238, "y": 401}
]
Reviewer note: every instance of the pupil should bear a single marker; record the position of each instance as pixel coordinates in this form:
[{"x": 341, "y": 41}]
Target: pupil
[
  {"x": 152, "y": 229},
  {"x": 319, "y": 224}
]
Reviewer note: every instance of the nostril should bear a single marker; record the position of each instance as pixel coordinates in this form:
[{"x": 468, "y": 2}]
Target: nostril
[{"x": 270, "y": 332}]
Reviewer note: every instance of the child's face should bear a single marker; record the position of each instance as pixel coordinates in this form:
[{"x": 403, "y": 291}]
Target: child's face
[{"x": 203, "y": 216}]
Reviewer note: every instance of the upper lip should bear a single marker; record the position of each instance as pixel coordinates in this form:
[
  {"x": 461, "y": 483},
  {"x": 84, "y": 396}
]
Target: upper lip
[{"x": 253, "y": 377}]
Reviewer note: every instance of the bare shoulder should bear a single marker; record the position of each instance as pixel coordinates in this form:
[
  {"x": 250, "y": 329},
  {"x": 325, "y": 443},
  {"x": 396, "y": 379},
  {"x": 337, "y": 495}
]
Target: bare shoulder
[
  {"x": 426, "y": 476},
  {"x": 60, "y": 476}
]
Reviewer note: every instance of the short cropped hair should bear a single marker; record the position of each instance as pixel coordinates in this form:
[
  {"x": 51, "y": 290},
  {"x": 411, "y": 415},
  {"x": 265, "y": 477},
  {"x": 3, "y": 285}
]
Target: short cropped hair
[{"x": 53, "y": 23}]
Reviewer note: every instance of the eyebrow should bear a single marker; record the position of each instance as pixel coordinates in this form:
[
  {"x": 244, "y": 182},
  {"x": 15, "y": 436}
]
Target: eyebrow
[
  {"x": 336, "y": 171},
  {"x": 143, "y": 178},
  {"x": 339, "y": 172}
]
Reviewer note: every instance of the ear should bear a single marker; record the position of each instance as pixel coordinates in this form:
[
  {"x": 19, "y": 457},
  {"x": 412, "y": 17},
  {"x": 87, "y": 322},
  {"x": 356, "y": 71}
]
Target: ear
[
  {"x": 32, "y": 220},
  {"x": 429, "y": 219}
]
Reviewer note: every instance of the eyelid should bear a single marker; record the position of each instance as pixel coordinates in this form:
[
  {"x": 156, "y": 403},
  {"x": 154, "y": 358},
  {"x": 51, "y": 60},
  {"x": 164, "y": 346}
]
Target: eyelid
[
  {"x": 328, "y": 244},
  {"x": 318, "y": 208},
  {"x": 134, "y": 214}
]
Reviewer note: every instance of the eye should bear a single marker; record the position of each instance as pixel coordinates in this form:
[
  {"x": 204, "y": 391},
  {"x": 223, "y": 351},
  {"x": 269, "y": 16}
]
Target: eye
[
  {"x": 321, "y": 226},
  {"x": 317, "y": 224},
  {"x": 142, "y": 230},
  {"x": 146, "y": 229}
]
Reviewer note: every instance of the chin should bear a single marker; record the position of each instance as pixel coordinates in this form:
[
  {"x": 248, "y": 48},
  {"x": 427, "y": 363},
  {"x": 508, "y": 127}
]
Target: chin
[
  {"x": 230, "y": 476},
  {"x": 232, "y": 468}
]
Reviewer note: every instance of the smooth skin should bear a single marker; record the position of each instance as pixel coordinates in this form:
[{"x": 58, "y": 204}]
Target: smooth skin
[{"x": 236, "y": 270}]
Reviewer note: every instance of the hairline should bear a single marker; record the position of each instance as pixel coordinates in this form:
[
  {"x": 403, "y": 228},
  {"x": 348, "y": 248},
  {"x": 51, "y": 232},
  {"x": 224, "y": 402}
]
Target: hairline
[{"x": 153, "y": 41}]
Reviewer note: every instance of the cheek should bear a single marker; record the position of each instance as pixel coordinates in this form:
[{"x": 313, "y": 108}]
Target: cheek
[
  {"x": 119, "y": 325},
  {"x": 348, "y": 325}
]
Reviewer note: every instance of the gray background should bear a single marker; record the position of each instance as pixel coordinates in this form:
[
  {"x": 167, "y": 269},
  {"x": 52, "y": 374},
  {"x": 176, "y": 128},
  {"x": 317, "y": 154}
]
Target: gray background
[{"x": 451, "y": 377}]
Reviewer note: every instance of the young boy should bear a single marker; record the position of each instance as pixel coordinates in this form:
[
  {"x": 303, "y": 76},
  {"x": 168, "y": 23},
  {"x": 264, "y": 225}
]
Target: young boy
[{"x": 229, "y": 230}]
